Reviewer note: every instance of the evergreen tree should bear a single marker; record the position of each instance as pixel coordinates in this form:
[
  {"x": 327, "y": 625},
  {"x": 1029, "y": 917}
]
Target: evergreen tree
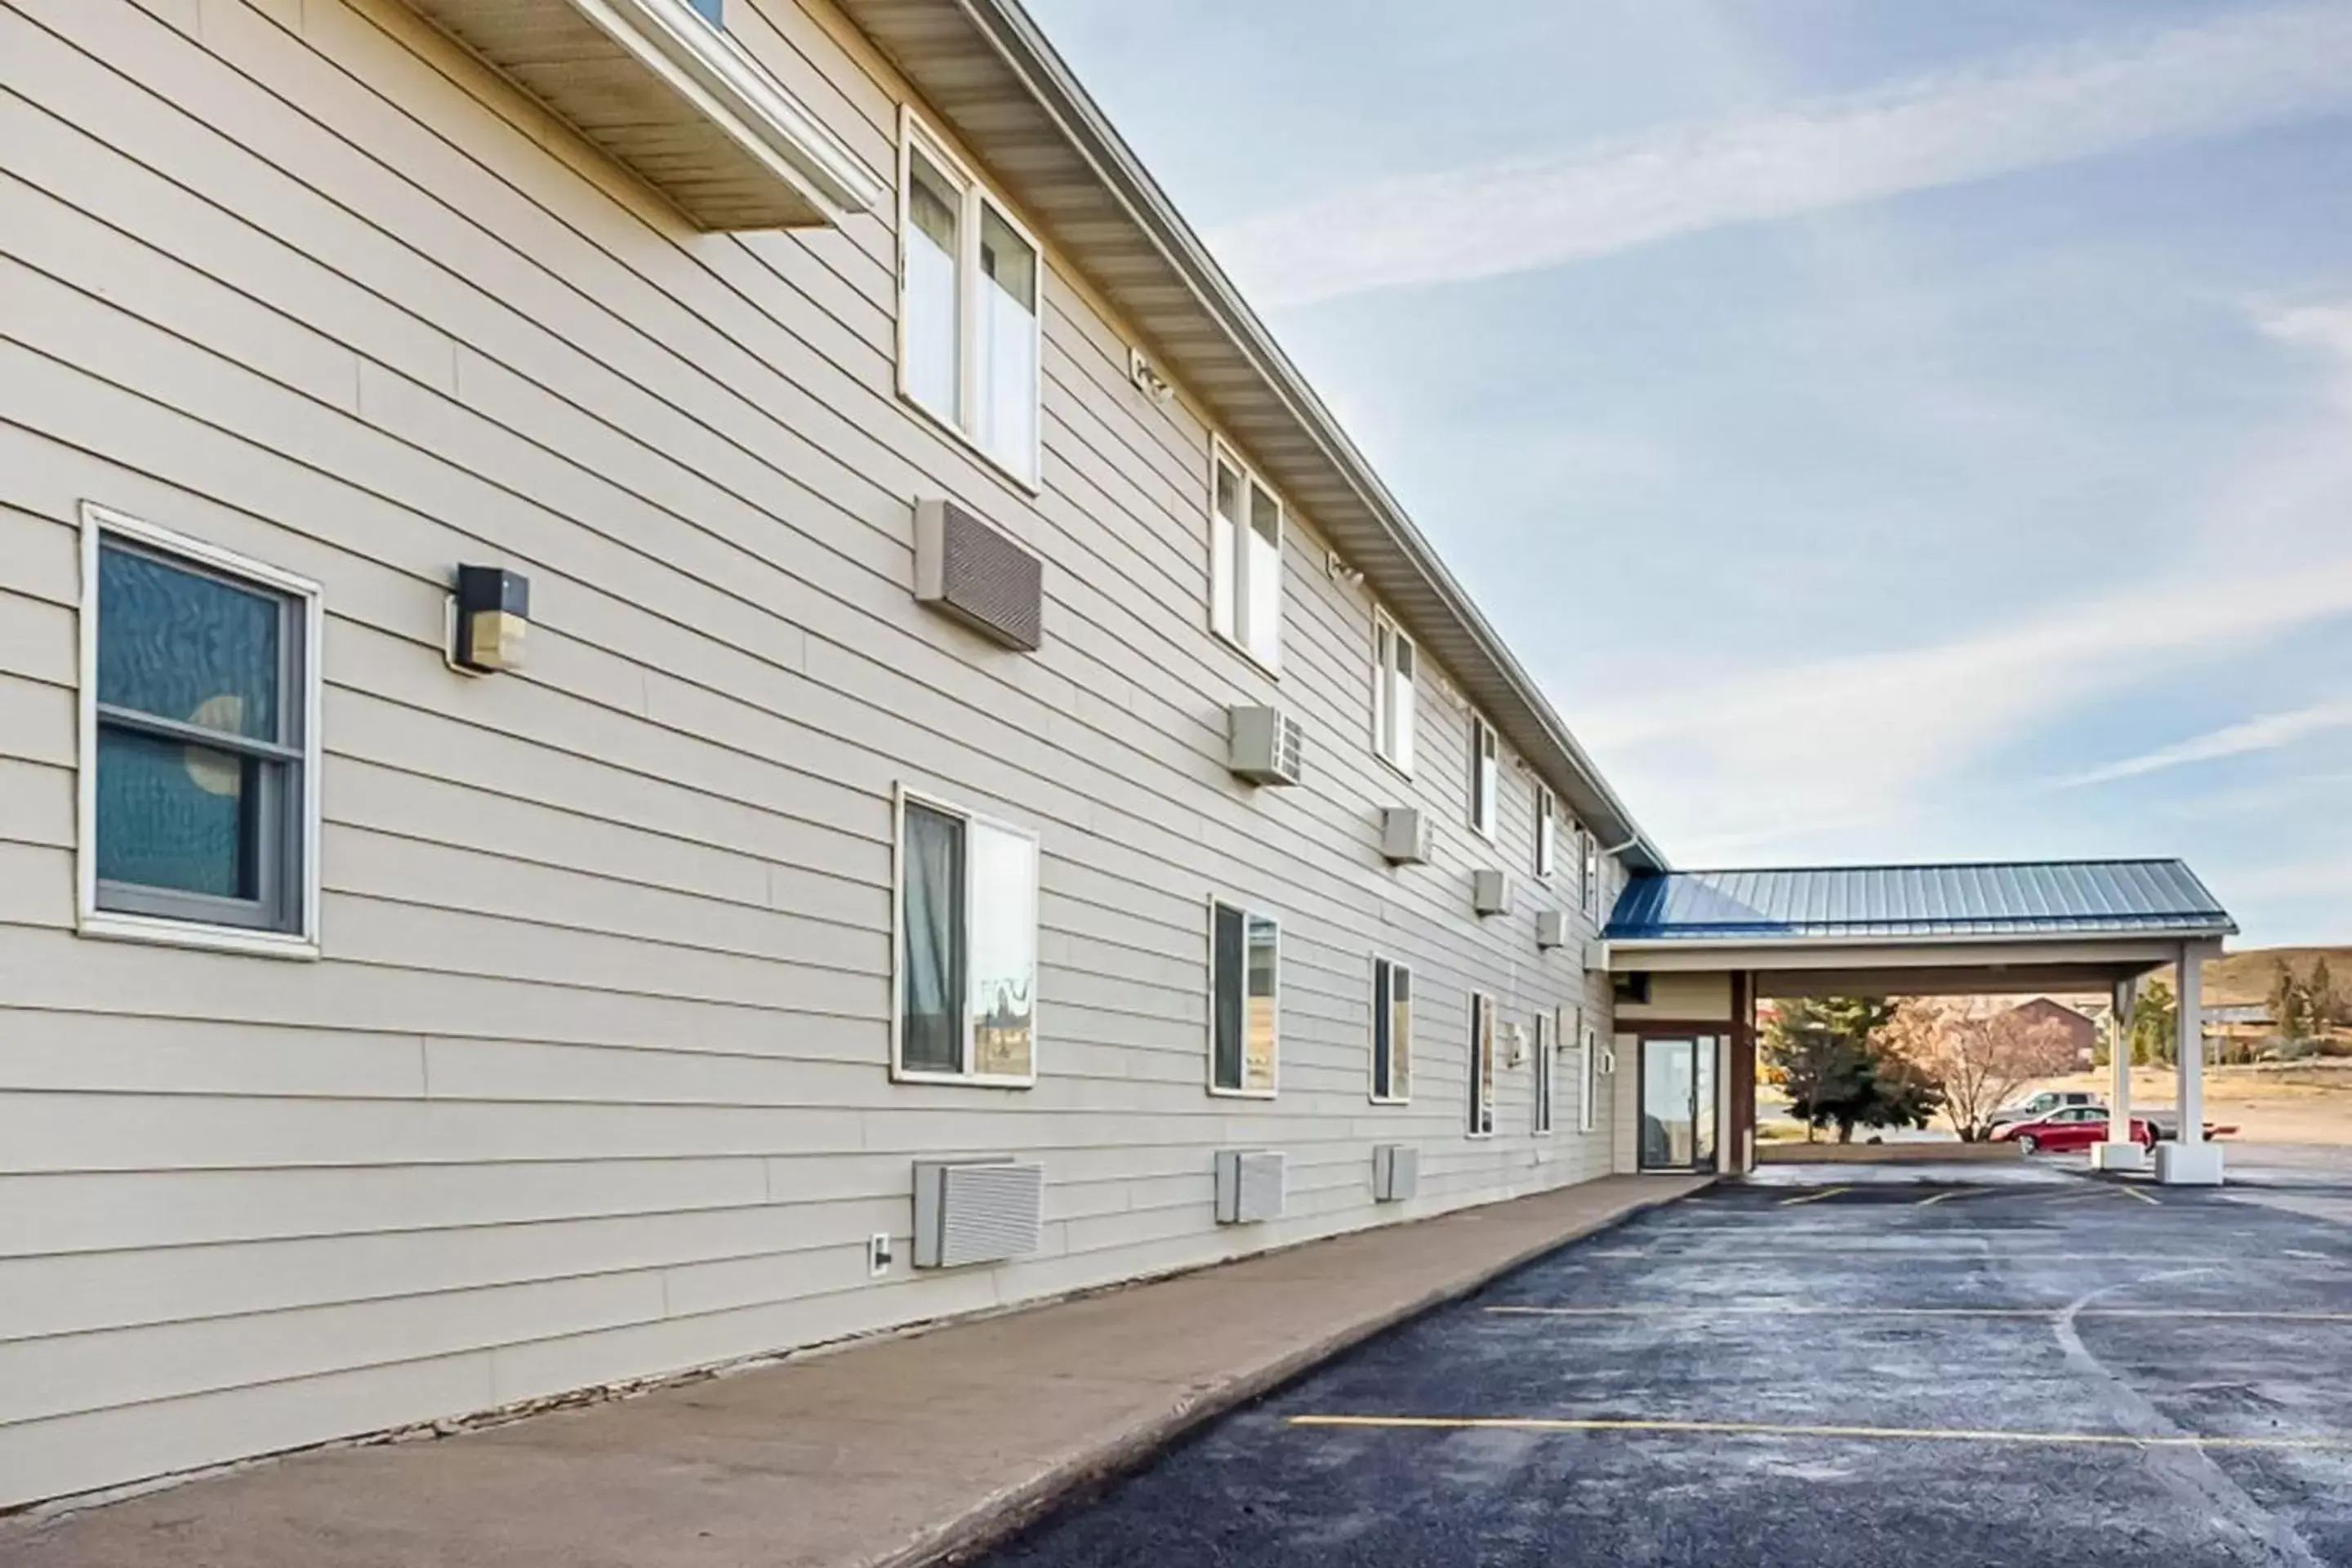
[{"x": 2290, "y": 1003}]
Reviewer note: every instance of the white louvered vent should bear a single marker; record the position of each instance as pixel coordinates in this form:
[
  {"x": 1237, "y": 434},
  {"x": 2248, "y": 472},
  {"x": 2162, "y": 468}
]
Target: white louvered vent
[
  {"x": 1266, "y": 745},
  {"x": 1551, "y": 928},
  {"x": 1250, "y": 1185},
  {"x": 1396, "y": 1172},
  {"x": 968, "y": 570},
  {"x": 975, "y": 1211}
]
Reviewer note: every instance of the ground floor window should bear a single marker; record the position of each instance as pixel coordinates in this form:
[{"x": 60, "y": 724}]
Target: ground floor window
[
  {"x": 1588, "y": 1062},
  {"x": 1482, "y": 1066},
  {"x": 1392, "y": 1033},
  {"x": 200, "y": 744},
  {"x": 967, "y": 946},
  {"x": 1244, "y": 1016},
  {"x": 1546, "y": 1033}
]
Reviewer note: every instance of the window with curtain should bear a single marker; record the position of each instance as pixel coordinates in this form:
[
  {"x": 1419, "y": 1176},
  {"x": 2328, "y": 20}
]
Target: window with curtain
[
  {"x": 968, "y": 947},
  {"x": 1245, "y": 999},
  {"x": 199, "y": 751},
  {"x": 1395, "y": 664},
  {"x": 969, "y": 307},
  {"x": 1547, "y": 832},
  {"x": 1481, "y": 1076},
  {"x": 1485, "y": 780},
  {"x": 1589, "y": 1066},
  {"x": 1547, "y": 1041},
  {"x": 1244, "y": 561},
  {"x": 1392, "y": 1032}
]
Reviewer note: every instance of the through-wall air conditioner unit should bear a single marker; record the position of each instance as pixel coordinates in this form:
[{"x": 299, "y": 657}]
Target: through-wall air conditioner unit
[
  {"x": 976, "y": 1211},
  {"x": 1396, "y": 1172},
  {"x": 1551, "y": 928},
  {"x": 969, "y": 571},
  {"x": 1250, "y": 1186},
  {"x": 1407, "y": 835},
  {"x": 1265, "y": 746},
  {"x": 1490, "y": 892}
]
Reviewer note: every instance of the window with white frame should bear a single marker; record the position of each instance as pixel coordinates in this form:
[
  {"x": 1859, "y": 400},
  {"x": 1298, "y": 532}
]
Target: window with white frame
[
  {"x": 199, "y": 741},
  {"x": 1392, "y": 1033},
  {"x": 1588, "y": 1094},
  {"x": 1482, "y": 1066},
  {"x": 1244, "y": 559},
  {"x": 967, "y": 996},
  {"x": 1486, "y": 778},
  {"x": 1547, "y": 1041},
  {"x": 1547, "y": 832},
  {"x": 1245, "y": 999},
  {"x": 1396, "y": 663},
  {"x": 1591, "y": 872},
  {"x": 969, "y": 279}
]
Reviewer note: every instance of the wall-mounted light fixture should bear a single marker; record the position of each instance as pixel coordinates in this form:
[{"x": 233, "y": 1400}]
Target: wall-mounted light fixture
[
  {"x": 1338, "y": 570},
  {"x": 1152, "y": 385},
  {"x": 489, "y": 613}
]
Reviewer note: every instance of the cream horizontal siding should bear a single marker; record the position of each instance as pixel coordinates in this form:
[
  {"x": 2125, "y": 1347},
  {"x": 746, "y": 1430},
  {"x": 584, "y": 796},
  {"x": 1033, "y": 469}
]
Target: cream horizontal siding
[{"x": 591, "y": 1079}]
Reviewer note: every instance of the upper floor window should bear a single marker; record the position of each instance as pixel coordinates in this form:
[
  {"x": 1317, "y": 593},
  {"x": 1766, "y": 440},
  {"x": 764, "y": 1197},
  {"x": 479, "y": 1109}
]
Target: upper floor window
[
  {"x": 1486, "y": 778},
  {"x": 967, "y": 947},
  {"x": 199, "y": 741},
  {"x": 1395, "y": 664},
  {"x": 1547, "y": 832},
  {"x": 967, "y": 307},
  {"x": 1592, "y": 846},
  {"x": 1245, "y": 999},
  {"x": 1245, "y": 560}
]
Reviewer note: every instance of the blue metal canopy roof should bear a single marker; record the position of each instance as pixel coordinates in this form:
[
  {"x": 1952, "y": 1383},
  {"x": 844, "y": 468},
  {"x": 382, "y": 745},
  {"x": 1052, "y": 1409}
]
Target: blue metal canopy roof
[{"x": 2075, "y": 897}]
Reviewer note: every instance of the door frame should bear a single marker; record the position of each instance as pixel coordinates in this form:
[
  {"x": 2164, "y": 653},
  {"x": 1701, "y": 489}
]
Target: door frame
[{"x": 1703, "y": 1040}]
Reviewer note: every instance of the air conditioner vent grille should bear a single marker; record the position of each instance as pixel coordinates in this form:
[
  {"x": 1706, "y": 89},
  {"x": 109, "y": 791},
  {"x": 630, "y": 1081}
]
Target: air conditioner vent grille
[
  {"x": 976, "y": 1211},
  {"x": 967, "y": 570},
  {"x": 1250, "y": 1185}
]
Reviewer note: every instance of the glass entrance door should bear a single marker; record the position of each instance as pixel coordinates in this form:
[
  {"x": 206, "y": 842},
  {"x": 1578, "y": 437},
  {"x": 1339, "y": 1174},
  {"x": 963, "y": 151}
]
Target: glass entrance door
[{"x": 1679, "y": 1104}]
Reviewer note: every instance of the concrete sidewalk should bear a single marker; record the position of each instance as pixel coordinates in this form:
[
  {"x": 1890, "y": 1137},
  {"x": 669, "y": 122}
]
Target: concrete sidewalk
[{"x": 888, "y": 1453}]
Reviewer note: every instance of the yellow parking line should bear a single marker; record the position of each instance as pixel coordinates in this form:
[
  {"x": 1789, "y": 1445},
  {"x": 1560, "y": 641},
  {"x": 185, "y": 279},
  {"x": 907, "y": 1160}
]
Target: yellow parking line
[
  {"x": 1670, "y": 1309},
  {"x": 1779, "y": 1429},
  {"x": 1814, "y": 1197}
]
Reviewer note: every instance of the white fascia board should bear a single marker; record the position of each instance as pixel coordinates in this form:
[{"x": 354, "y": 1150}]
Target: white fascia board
[{"x": 1666, "y": 956}]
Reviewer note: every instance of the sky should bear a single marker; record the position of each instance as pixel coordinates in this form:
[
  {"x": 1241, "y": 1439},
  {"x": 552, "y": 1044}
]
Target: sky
[{"x": 1887, "y": 432}]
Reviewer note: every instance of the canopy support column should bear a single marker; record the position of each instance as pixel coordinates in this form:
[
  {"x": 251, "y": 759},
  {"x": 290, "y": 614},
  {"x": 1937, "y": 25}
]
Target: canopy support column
[
  {"x": 2119, "y": 1152},
  {"x": 2188, "y": 1161}
]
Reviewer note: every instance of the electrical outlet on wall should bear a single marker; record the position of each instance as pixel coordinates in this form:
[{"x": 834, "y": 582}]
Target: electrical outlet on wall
[{"x": 877, "y": 1256}]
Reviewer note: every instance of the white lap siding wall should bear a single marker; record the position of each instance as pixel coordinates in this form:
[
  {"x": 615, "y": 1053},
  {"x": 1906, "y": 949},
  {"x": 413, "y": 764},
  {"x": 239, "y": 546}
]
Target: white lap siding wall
[{"x": 591, "y": 1081}]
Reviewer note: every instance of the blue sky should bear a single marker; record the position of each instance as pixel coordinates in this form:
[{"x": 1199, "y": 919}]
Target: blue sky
[{"x": 1889, "y": 432}]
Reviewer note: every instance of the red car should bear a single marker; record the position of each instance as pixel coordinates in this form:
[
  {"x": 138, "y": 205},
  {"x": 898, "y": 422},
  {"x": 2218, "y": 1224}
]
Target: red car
[{"x": 2068, "y": 1130}]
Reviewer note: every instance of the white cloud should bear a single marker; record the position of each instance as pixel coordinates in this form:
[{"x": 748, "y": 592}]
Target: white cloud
[
  {"x": 2327, "y": 329},
  {"x": 2030, "y": 111},
  {"x": 2264, "y": 734},
  {"x": 1836, "y": 746}
]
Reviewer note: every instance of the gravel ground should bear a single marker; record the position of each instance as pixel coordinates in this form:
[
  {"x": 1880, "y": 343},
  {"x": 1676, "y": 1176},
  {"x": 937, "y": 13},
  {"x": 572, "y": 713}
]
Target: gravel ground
[{"x": 1932, "y": 1371}]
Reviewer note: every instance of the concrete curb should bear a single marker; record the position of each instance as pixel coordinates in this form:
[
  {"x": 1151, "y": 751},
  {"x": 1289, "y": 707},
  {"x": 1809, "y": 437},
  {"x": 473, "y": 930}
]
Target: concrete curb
[{"x": 1016, "y": 1507}]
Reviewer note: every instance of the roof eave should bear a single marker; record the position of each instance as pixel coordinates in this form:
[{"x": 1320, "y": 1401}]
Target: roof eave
[{"x": 1200, "y": 324}]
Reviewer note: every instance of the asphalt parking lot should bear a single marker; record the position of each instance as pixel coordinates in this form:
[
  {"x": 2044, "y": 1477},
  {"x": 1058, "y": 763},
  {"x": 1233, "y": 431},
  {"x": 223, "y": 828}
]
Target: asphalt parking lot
[{"x": 2052, "y": 1372}]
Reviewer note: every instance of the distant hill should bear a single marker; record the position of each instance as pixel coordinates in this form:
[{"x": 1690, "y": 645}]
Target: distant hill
[{"x": 2238, "y": 978}]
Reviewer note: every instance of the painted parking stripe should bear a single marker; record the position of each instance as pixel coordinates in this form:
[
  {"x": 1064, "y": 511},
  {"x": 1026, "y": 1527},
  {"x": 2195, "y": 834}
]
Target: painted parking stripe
[
  {"x": 2135, "y": 1192},
  {"x": 1814, "y": 1197},
  {"x": 1672, "y": 1310},
  {"x": 1779, "y": 1429}
]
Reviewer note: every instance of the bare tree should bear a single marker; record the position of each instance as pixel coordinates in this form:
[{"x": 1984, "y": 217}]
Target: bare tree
[{"x": 1980, "y": 1060}]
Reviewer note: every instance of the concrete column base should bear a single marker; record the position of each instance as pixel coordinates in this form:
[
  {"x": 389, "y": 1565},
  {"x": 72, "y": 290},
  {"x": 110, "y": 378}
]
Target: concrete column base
[
  {"x": 2188, "y": 1165},
  {"x": 2118, "y": 1157}
]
